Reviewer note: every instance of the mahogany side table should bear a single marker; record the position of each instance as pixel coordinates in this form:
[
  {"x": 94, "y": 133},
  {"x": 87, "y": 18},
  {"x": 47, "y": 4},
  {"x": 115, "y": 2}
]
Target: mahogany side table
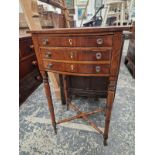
[{"x": 89, "y": 52}]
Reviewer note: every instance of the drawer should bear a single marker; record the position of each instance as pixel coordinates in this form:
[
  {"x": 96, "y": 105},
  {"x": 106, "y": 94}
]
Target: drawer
[
  {"x": 74, "y": 54},
  {"x": 79, "y": 41},
  {"x": 77, "y": 68},
  {"x": 59, "y": 66},
  {"x": 55, "y": 66},
  {"x": 25, "y": 46},
  {"x": 59, "y": 54},
  {"x": 94, "y": 55},
  {"x": 93, "y": 69},
  {"x": 25, "y": 66}
]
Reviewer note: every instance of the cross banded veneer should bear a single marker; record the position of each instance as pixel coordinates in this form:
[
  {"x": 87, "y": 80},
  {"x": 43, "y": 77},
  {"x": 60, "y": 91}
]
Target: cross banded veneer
[{"x": 88, "y": 52}]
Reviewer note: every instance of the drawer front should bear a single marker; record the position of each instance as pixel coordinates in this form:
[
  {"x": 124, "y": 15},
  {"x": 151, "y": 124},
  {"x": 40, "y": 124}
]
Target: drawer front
[
  {"x": 71, "y": 68},
  {"x": 26, "y": 67},
  {"x": 56, "y": 66},
  {"x": 84, "y": 41},
  {"x": 94, "y": 55},
  {"x": 79, "y": 55},
  {"x": 77, "y": 68},
  {"x": 93, "y": 69},
  {"x": 59, "y": 54},
  {"x": 25, "y": 46}
]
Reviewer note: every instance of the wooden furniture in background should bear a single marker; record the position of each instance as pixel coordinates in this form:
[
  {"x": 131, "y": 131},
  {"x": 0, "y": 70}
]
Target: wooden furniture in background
[
  {"x": 29, "y": 74},
  {"x": 30, "y": 9},
  {"x": 117, "y": 12},
  {"x": 48, "y": 20},
  {"x": 61, "y": 5},
  {"x": 71, "y": 8},
  {"x": 86, "y": 52},
  {"x": 130, "y": 57}
]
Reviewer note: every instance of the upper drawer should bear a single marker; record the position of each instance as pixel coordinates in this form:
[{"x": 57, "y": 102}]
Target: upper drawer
[
  {"x": 79, "y": 41},
  {"x": 76, "y": 54}
]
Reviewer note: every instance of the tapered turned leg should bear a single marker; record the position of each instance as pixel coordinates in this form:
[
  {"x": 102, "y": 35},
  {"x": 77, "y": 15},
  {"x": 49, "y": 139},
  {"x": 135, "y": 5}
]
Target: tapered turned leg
[
  {"x": 109, "y": 105},
  {"x": 65, "y": 91},
  {"x": 49, "y": 99}
]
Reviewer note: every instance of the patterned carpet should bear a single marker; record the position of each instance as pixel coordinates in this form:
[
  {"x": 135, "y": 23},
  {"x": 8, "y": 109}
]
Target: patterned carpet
[{"x": 36, "y": 136}]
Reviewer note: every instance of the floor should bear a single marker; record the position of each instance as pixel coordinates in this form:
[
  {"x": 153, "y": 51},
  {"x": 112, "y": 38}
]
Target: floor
[{"x": 36, "y": 136}]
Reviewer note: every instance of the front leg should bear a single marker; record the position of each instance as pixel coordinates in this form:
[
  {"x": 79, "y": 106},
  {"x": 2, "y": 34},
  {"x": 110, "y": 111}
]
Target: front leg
[
  {"x": 67, "y": 97},
  {"x": 109, "y": 105},
  {"x": 49, "y": 99},
  {"x": 63, "y": 100}
]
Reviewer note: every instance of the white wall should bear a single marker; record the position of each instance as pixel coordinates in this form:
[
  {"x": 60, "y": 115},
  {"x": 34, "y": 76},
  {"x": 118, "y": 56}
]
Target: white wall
[{"x": 20, "y": 9}]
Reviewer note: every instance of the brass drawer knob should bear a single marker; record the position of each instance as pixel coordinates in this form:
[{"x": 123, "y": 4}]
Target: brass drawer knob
[
  {"x": 99, "y": 41},
  {"x": 71, "y": 55},
  {"x": 48, "y": 55},
  {"x": 31, "y": 46},
  {"x": 98, "y": 69},
  {"x": 70, "y": 41},
  {"x": 98, "y": 55},
  {"x": 45, "y": 41},
  {"x": 49, "y": 66},
  {"x": 34, "y": 62},
  {"x": 72, "y": 67},
  {"x": 38, "y": 78}
]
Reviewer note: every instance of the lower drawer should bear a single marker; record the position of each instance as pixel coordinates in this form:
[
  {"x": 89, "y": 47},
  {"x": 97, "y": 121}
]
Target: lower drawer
[{"x": 77, "y": 68}]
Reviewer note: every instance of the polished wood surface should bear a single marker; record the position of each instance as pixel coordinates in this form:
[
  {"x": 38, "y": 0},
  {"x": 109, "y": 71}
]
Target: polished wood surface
[
  {"x": 78, "y": 41},
  {"x": 86, "y": 52},
  {"x": 77, "y": 68},
  {"x": 76, "y": 54},
  {"x": 79, "y": 31}
]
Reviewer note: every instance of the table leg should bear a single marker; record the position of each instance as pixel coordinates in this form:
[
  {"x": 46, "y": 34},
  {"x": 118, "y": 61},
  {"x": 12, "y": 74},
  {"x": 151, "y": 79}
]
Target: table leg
[
  {"x": 66, "y": 91},
  {"x": 109, "y": 105},
  {"x": 62, "y": 90},
  {"x": 49, "y": 99}
]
